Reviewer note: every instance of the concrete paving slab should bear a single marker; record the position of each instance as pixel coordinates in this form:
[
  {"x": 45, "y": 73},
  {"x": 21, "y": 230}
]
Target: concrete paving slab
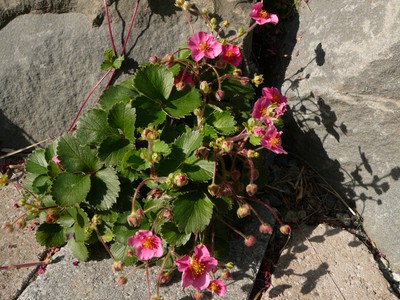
[
  {"x": 327, "y": 263},
  {"x": 17, "y": 247}
]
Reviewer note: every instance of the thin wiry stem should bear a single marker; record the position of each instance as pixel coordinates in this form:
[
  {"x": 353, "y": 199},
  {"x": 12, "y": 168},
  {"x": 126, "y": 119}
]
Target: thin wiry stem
[{"x": 109, "y": 27}]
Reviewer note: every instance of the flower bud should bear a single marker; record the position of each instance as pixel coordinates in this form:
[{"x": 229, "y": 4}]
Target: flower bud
[
  {"x": 240, "y": 32},
  {"x": 258, "y": 79},
  {"x": 154, "y": 59},
  {"x": 186, "y": 5},
  {"x": 226, "y": 146},
  {"x": 219, "y": 95},
  {"x": 180, "y": 179},
  {"x": 135, "y": 218},
  {"x": 156, "y": 157},
  {"x": 7, "y": 227},
  {"x": 237, "y": 72},
  {"x": 168, "y": 214},
  {"x": 265, "y": 228},
  {"x": 220, "y": 64},
  {"x": 198, "y": 295},
  {"x": 179, "y": 3},
  {"x": 156, "y": 297},
  {"x": 122, "y": 280},
  {"x": 164, "y": 277},
  {"x": 243, "y": 211},
  {"x": 214, "y": 189},
  {"x": 250, "y": 240},
  {"x": 204, "y": 87},
  {"x": 149, "y": 134},
  {"x": 244, "y": 80},
  {"x": 129, "y": 253},
  {"x": 3, "y": 179},
  {"x": 117, "y": 266},
  {"x": 155, "y": 193},
  {"x": 202, "y": 152},
  {"x": 21, "y": 223},
  {"x": 225, "y": 23},
  {"x": 180, "y": 86},
  {"x": 168, "y": 60},
  {"x": 229, "y": 265},
  {"x": 204, "y": 11},
  {"x": 213, "y": 21},
  {"x": 226, "y": 275},
  {"x": 251, "y": 189},
  {"x": 285, "y": 229}
]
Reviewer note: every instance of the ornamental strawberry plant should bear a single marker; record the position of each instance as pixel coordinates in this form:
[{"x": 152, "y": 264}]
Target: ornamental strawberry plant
[{"x": 166, "y": 160}]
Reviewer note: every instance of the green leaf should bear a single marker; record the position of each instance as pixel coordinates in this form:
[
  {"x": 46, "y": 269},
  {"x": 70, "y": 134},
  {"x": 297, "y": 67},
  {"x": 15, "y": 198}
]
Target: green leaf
[
  {"x": 224, "y": 122},
  {"x": 94, "y": 128},
  {"x": 192, "y": 212},
  {"x": 116, "y": 94},
  {"x": 78, "y": 249},
  {"x": 70, "y": 189},
  {"x": 51, "y": 150},
  {"x": 198, "y": 169},
  {"x": 161, "y": 147},
  {"x": 76, "y": 158},
  {"x": 105, "y": 187},
  {"x": 148, "y": 112},
  {"x": 118, "y": 62},
  {"x": 106, "y": 65},
  {"x": 173, "y": 236},
  {"x": 113, "y": 149},
  {"x": 184, "y": 53},
  {"x": 120, "y": 252},
  {"x": 81, "y": 223},
  {"x": 185, "y": 144},
  {"x": 50, "y": 235},
  {"x": 183, "y": 103},
  {"x": 108, "y": 54},
  {"x": 155, "y": 82},
  {"x": 123, "y": 117},
  {"x": 42, "y": 184},
  {"x": 36, "y": 162}
]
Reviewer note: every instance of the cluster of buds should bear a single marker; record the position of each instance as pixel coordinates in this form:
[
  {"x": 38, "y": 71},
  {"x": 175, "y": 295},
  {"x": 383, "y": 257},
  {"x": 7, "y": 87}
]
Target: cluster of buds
[
  {"x": 149, "y": 134},
  {"x": 177, "y": 179},
  {"x": 223, "y": 145},
  {"x": 135, "y": 218}
]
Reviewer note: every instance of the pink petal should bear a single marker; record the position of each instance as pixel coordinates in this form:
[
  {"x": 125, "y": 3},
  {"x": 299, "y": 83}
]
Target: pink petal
[
  {"x": 183, "y": 263},
  {"x": 201, "y": 282}
]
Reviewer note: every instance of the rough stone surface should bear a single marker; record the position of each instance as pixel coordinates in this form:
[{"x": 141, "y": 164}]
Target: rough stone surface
[
  {"x": 49, "y": 62},
  {"x": 343, "y": 86},
  {"x": 326, "y": 263},
  {"x": 17, "y": 247}
]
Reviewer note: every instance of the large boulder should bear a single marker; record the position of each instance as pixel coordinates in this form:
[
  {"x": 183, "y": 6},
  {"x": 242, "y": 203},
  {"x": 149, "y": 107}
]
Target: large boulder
[
  {"x": 343, "y": 87},
  {"x": 51, "y": 51}
]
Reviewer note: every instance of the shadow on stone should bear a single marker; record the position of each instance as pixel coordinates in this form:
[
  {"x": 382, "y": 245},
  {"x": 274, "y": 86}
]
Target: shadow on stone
[{"x": 12, "y": 134}]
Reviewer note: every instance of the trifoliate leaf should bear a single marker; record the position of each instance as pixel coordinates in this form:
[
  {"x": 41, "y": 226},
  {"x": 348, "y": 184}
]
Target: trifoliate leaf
[
  {"x": 70, "y": 189},
  {"x": 36, "y": 162},
  {"x": 50, "y": 235},
  {"x": 223, "y": 122},
  {"x": 173, "y": 236},
  {"x": 76, "y": 158},
  {"x": 192, "y": 212},
  {"x": 161, "y": 147},
  {"x": 105, "y": 187},
  {"x": 182, "y": 103},
  {"x": 116, "y": 94},
  {"x": 198, "y": 169},
  {"x": 155, "y": 82}
]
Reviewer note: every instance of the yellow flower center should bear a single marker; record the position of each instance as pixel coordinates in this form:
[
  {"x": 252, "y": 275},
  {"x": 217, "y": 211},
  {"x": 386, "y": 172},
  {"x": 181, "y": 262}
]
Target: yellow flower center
[
  {"x": 196, "y": 267},
  {"x": 203, "y": 46},
  {"x": 213, "y": 287},
  {"x": 3, "y": 179},
  {"x": 263, "y": 14},
  {"x": 148, "y": 243},
  {"x": 230, "y": 54},
  {"x": 274, "y": 141}
]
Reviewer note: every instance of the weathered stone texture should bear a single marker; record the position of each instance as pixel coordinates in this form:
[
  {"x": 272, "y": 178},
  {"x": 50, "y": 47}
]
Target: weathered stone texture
[
  {"x": 49, "y": 62},
  {"x": 343, "y": 86}
]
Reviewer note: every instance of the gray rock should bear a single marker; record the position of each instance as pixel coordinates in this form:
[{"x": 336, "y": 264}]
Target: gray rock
[
  {"x": 49, "y": 62},
  {"x": 343, "y": 86},
  {"x": 326, "y": 263}
]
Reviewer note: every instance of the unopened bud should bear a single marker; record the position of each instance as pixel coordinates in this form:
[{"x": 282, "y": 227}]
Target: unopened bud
[
  {"x": 21, "y": 223},
  {"x": 168, "y": 214},
  {"x": 149, "y": 134},
  {"x": 229, "y": 265},
  {"x": 265, "y": 228},
  {"x": 226, "y": 146},
  {"x": 154, "y": 59},
  {"x": 250, "y": 240},
  {"x": 156, "y": 157},
  {"x": 186, "y": 5},
  {"x": 237, "y": 72},
  {"x": 243, "y": 211},
  {"x": 135, "y": 218},
  {"x": 204, "y": 87},
  {"x": 240, "y": 31},
  {"x": 180, "y": 86},
  {"x": 258, "y": 79},
  {"x": 244, "y": 80},
  {"x": 204, "y": 11},
  {"x": 219, "y": 95},
  {"x": 285, "y": 229},
  {"x": 180, "y": 179},
  {"x": 213, "y": 21},
  {"x": 198, "y": 295},
  {"x": 226, "y": 275},
  {"x": 214, "y": 189},
  {"x": 155, "y": 193},
  {"x": 164, "y": 277},
  {"x": 202, "y": 152},
  {"x": 7, "y": 227},
  {"x": 225, "y": 23},
  {"x": 251, "y": 189},
  {"x": 179, "y": 3},
  {"x": 122, "y": 280},
  {"x": 117, "y": 266},
  {"x": 168, "y": 60}
]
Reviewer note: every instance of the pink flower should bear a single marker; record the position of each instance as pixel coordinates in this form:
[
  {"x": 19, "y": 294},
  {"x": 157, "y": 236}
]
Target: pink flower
[
  {"x": 260, "y": 109},
  {"x": 272, "y": 140},
  {"x": 231, "y": 54},
  {"x": 262, "y": 16},
  {"x": 147, "y": 245},
  {"x": 195, "y": 268},
  {"x": 217, "y": 287},
  {"x": 276, "y": 98},
  {"x": 184, "y": 76},
  {"x": 259, "y": 131},
  {"x": 202, "y": 45}
]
